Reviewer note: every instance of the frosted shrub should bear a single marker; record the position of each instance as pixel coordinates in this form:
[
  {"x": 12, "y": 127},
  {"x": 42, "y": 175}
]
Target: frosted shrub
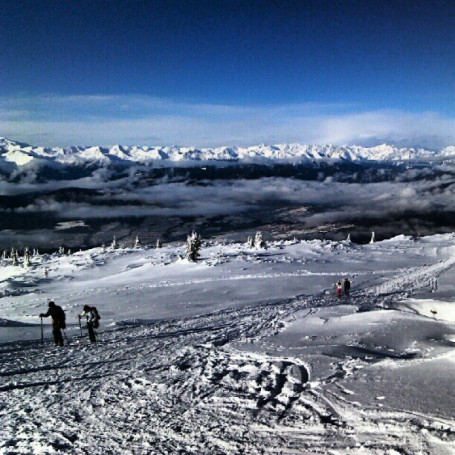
[{"x": 250, "y": 242}]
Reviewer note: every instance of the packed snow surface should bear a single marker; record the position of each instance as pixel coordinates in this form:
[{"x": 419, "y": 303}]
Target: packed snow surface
[
  {"x": 23, "y": 154},
  {"x": 244, "y": 351}
]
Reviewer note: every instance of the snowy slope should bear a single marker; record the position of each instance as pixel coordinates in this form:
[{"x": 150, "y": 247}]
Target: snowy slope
[
  {"x": 22, "y": 154},
  {"x": 245, "y": 351}
]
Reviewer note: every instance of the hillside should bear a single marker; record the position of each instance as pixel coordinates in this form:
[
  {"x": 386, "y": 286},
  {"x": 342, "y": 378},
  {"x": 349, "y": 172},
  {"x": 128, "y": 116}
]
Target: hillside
[{"x": 245, "y": 351}]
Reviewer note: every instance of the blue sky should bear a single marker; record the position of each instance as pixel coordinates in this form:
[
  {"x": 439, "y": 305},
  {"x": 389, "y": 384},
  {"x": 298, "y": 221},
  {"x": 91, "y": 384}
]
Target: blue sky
[{"x": 231, "y": 72}]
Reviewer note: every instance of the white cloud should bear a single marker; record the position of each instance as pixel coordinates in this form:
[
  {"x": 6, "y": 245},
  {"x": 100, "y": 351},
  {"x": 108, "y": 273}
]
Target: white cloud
[{"x": 137, "y": 119}]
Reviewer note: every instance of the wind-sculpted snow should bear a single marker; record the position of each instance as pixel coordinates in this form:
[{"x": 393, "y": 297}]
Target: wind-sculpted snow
[
  {"x": 278, "y": 372},
  {"x": 184, "y": 386}
]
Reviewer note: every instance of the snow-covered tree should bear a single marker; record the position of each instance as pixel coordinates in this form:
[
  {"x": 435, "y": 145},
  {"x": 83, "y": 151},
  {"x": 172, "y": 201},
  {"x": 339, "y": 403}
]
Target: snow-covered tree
[
  {"x": 250, "y": 242},
  {"x": 5, "y": 254},
  {"x": 193, "y": 246},
  {"x": 69, "y": 252},
  {"x": 61, "y": 250},
  {"x": 14, "y": 256},
  {"x": 114, "y": 243},
  {"x": 159, "y": 244},
  {"x": 137, "y": 242},
  {"x": 26, "y": 262},
  {"x": 372, "y": 237},
  {"x": 259, "y": 241},
  {"x": 348, "y": 238}
]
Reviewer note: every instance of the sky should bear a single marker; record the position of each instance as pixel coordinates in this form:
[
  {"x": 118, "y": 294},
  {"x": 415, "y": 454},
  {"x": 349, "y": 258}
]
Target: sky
[{"x": 213, "y": 73}]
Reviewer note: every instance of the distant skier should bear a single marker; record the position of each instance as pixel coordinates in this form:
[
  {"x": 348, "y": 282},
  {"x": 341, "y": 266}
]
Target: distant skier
[
  {"x": 58, "y": 321},
  {"x": 346, "y": 286},
  {"x": 339, "y": 288},
  {"x": 93, "y": 318}
]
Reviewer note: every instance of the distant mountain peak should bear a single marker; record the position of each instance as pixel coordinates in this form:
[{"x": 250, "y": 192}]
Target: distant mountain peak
[{"x": 21, "y": 154}]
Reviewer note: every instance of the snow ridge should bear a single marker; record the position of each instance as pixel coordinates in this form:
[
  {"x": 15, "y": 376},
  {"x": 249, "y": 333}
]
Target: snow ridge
[{"x": 22, "y": 154}]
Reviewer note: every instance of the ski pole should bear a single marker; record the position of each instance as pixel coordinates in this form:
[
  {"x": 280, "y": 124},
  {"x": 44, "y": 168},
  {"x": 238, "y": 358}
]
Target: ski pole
[
  {"x": 42, "y": 331},
  {"x": 64, "y": 334},
  {"x": 80, "y": 325}
]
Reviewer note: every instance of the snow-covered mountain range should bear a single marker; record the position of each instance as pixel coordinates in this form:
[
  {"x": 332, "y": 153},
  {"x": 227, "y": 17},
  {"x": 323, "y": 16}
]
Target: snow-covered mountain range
[{"x": 19, "y": 154}]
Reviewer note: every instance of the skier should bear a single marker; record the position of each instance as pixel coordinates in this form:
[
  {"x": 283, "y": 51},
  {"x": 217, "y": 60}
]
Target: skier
[
  {"x": 93, "y": 317},
  {"x": 346, "y": 286},
  {"x": 58, "y": 321},
  {"x": 339, "y": 288}
]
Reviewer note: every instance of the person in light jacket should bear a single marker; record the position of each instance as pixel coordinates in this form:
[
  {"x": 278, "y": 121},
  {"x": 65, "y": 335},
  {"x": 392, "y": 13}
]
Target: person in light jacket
[
  {"x": 93, "y": 318},
  {"x": 339, "y": 288}
]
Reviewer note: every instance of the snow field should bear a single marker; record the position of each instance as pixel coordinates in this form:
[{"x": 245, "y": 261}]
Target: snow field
[{"x": 245, "y": 351}]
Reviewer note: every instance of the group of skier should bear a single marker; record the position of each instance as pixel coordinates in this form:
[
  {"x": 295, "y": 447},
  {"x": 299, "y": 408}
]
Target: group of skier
[
  {"x": 343, "y": 287},
  {"x": 59, "y": 321},
  {"x": 92, "y": 316}
]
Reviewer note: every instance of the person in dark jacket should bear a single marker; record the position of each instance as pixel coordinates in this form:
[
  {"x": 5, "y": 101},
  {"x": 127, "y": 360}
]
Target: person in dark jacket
[
  {"x": 93, "y": 318},
  {"x": 58, "y": 321},
  {"x": 346, "y": 286}
]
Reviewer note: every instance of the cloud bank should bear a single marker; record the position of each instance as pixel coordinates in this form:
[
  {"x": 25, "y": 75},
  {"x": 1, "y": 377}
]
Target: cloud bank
[{"x": 143, "y": 120}]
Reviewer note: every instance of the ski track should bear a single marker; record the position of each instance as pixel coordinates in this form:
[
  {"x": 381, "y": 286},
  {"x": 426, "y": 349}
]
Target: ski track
[{"x": 183, "y": 386}]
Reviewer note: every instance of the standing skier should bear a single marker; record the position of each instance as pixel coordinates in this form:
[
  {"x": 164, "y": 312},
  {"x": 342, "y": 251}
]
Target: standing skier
[
  {"x": 58, "y": 321},
  {"x": 346, "y": 286},
  {"x": 93, "y": 317},
  {"x": 339, "y": 288}
]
